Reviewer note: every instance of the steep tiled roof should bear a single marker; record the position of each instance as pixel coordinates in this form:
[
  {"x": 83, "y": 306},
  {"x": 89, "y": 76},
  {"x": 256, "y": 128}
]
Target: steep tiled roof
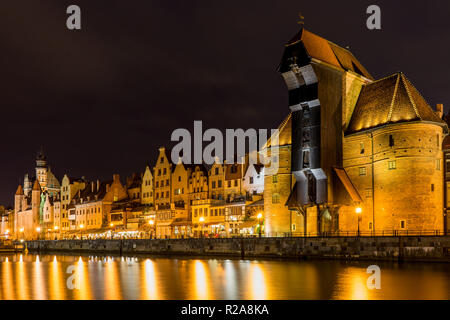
[
  {"x": 19, "y": 191},
  {"x": 36, "y": 186},
  {"x": 387, "y": 101},
  {"x": 326, "y": 51},
  {"x": 284, "y": 137}
]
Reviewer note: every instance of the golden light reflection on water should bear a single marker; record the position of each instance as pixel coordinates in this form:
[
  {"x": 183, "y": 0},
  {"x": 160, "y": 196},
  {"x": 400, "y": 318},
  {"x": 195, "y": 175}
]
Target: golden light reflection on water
[
  {"x": 257, "y": 283},
  {"x": 112, "y": 281},
  {"x": 21, "y": 280},
  {"x": 149, "y": 290},
  {"x": 82, "y": 279},
  {"x": 46, "y": 277},
  {"x": 40, "y": 293},
  {"x": 56, "y": 279},
  {"x": 201, "y": 290},
  {"x": 7, "y": 280}
]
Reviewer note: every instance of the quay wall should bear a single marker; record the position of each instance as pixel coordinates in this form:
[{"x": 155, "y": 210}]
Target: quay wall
[{"x": 423, "y": 248}]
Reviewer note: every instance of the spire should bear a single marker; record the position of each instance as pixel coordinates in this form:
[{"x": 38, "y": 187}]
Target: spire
[
  {"x": 301, "y": 21},
  {"x": 19, "y": 191},
  {"x": 41, "y": 155},
  {"x": 36, "y": 186}
]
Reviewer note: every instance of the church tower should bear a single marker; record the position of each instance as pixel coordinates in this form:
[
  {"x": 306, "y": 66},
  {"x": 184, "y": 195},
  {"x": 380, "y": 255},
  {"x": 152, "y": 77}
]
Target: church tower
[
  {"x": 18, "y": 202},
  {"x": 35, "y": 203},
  {"x": 41, "y": 168}
]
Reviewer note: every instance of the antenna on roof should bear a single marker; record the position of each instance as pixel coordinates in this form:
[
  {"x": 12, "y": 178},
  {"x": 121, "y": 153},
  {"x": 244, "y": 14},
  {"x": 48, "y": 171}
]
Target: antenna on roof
[{"x": 301, "y": 22}]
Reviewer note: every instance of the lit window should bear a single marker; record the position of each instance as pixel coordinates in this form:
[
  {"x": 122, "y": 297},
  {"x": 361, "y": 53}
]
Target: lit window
[
  {"x": 392, "y": 165},
  {"x": 274, "y": 179},
  {"x": 438, "y": 164},
  {"x": 275, "y": 198},
  {"x": 362, "y": 171}
]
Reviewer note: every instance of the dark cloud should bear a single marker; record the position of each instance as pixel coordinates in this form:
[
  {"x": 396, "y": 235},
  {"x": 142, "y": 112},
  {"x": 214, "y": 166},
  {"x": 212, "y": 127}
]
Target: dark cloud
[{"x": 101, "y": 100}]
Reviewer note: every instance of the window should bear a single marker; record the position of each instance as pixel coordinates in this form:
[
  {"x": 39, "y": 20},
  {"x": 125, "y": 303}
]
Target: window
[
  {"x": 306, "y": 158},
  {"x": 402, "y": 224},
  {"x": 179, "y": 178},
  {"x": 368, "y": 193},
  {"x": 274, "y": 179},
  {"x": 391, "y": 140},
  {"x": 432, "y": 187},
  {"x": 294, "y": 227},
  {"x": 362, "y": 171},
  {"x": 216, "y": 171},
  {"x": 213, "y": 184},
  {"x": 438, "y": 164},
  {"x": 195, "y": 212},
  {"x": 219, "y": 183},
  {"x": 161, "y": 160},
  {"x": 251, "y": 180},
  {"x": 229, "y": 184},
  {"x": 370, "y": 225},
  {"x": 392, "y": 165},
  {"x": 361, "y": 147},
  {"x": 164, "y": 171},
  {"x": 235, "y": 183},
  {"x": 275, "y": 198}
]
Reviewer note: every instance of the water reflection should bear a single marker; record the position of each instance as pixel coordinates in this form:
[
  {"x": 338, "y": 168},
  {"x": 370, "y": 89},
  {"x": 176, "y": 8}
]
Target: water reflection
[{"x": 47, "y": 277}]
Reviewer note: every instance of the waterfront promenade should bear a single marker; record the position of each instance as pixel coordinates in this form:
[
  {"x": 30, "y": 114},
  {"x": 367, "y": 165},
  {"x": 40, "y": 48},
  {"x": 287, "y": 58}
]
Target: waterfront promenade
[{"x": 393, "y": 248}]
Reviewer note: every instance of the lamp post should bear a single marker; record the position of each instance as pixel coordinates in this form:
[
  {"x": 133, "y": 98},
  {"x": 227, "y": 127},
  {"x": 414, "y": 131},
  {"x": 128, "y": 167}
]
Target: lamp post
[
  {"x": 56, "y": 228},
  {"x": 202, "y": 220},
  {"x": 259, "y": 221},
  {"x": 38, "y": 230},
  {"x": 358, "y": 211},
  {"x": 81, "y": 231},
  {"x": 151, "y": 223},
  {"x": 21, "y": 233}
]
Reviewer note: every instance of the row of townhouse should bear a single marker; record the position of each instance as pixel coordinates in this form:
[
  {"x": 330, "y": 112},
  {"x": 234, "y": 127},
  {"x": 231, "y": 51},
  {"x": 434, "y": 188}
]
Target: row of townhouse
[{"x": 165, "y": 201}]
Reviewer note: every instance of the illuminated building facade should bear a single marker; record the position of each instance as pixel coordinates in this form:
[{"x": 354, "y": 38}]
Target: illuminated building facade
[{"x": 352, "y": 142}]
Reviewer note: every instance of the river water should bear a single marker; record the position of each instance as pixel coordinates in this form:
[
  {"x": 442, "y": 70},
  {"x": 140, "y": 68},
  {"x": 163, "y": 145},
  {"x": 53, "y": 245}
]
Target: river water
[{"x": 112, "y": 277}]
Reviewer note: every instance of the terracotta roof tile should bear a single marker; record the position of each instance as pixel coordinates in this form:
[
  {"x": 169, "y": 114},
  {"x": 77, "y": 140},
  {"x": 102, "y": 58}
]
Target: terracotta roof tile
[{"x": 390, "y": 100}]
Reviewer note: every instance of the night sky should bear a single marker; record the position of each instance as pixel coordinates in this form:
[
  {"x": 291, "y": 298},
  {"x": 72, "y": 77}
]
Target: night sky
[{"x": 103, "y": 99}]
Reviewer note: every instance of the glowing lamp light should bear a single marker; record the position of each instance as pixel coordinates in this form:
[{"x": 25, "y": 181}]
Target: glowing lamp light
[
  {"x": 7, "y": 231},
  {"x": 56, "y": 228},
  {"x": 111, "y": 225},
  {"x": 21, "y": 229},
  {"x": 38, "y": 229},
  {"x": 81, "y": 226},
  {"x": 259, "y": 215},
  {"x": 358, "y": 210},
  {"x": 202, "y": 219},
  {"x": 151, "y": 222}
]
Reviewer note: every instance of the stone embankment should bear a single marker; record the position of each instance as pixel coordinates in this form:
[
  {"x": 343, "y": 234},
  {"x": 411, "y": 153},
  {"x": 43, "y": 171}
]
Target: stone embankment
[{"x": 351, "y": 248}]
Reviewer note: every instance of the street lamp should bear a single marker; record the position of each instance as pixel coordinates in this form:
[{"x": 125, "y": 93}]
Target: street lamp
[
  {"x": 358, "y": 211},
  {"x": 55, "y": 228},
  {"x": 81, "y": 231},
  {"x": 38, "y": 230},
  {"x": 112, "y": 232},
  {"x": 259, "y": 216},
  {"x": 151, "y": 223},
  {"x": 202, "y": 220}
]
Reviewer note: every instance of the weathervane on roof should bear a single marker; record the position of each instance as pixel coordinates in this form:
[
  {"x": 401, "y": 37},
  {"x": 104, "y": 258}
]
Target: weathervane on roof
[{"x": 301, "y": 22}]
